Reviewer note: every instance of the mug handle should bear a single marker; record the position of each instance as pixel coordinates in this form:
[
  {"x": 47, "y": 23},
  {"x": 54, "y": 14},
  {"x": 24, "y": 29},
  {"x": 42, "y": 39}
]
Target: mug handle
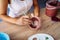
[{"x": 55, "y": 19}]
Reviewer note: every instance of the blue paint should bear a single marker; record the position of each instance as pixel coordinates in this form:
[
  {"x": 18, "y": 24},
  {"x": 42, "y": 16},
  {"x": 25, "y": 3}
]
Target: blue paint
[
  {"x": 4, "y": 36},
  {"x": 1, "y": 20}
]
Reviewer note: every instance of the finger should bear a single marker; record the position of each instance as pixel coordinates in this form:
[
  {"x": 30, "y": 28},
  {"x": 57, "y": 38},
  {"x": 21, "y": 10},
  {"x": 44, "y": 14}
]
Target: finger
[
  {"x": 26, "y": 23},
  {"x": 32, "y": 15},
  {"x": 25, "y": 17},
  {"x": 28, "y": 20}
]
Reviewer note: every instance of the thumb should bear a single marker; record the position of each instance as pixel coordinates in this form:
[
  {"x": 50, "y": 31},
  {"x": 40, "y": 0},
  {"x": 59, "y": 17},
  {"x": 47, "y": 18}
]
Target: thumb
[{"x": 32, "y": 15}]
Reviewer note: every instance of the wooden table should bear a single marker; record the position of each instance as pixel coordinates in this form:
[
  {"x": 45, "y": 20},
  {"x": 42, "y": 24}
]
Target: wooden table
[{"x": 23, "y": 32}]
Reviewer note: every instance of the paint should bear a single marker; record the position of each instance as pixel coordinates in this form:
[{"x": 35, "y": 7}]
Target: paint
[
  {"x": 4, "y": 36},
  {"x": 32, "y": 25}
]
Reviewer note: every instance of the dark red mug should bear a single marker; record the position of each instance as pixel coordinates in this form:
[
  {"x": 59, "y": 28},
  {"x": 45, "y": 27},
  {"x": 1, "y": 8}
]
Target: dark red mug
[{"x": 51, "y": 10}]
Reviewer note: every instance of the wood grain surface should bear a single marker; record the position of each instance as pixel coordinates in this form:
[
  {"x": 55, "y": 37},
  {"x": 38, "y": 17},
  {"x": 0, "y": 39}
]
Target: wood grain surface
[{"x": 17, "y": 32}]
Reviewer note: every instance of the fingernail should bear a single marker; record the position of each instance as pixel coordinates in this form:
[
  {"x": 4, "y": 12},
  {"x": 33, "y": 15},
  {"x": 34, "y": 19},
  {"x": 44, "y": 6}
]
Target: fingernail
[{"x": 32, "y": 15}]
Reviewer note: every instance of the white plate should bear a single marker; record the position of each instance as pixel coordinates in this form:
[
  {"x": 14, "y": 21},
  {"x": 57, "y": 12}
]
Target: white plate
[{"x": 41, "y": 37}]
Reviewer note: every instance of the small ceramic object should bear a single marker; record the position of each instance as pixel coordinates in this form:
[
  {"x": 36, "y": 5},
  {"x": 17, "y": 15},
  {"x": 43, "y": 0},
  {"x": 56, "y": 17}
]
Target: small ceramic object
[
  {"x": 4, "y": 36},
  {"x": 41, "y": 37}
]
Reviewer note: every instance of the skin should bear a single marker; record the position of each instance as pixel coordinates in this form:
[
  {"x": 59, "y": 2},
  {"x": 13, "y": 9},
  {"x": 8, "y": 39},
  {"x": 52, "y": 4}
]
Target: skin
[
  {"x": 21, "y": 20},
  {"x": 36, "y": 8}
]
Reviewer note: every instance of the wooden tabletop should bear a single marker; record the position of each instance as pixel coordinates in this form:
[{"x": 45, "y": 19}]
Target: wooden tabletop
[{"x": 23, "y": 32}]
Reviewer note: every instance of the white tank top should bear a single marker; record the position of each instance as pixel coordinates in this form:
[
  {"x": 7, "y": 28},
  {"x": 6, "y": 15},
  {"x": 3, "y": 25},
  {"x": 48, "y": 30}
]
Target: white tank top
[
  {"x": 18, "y": 7},
  {"x": 58, "y": 0}
]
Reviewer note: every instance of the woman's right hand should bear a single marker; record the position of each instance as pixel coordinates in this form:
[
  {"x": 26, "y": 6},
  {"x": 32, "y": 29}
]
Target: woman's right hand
[{"x": 23, "y": 20}]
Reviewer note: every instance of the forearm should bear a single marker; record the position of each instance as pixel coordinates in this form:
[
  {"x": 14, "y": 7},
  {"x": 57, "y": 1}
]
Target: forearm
[
  {"x": 3, "y": 11},
  {"x": 36, "y": 8},
  {"x": 8, "y": 19},
  {"x": 3, "y": 6}
]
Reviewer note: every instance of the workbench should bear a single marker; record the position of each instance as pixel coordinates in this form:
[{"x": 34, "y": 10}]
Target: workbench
[{"x": 17, "y": 32}]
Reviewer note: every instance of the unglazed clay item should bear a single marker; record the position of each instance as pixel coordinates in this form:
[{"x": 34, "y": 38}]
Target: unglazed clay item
[{"x": 18, "y": 7}]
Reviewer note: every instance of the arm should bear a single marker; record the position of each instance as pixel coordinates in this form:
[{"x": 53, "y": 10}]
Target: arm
[
  {"x": 8, "y": 19},
  {"x": 36, "y": 8},
  {"x": 3, "y": 11},
  {"x": 3, "y": 6},
  {"x": 3, "y": 14}
]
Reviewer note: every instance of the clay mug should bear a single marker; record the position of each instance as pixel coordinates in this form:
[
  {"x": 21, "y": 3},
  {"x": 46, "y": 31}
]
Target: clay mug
[{"x": 51, "y": 9}]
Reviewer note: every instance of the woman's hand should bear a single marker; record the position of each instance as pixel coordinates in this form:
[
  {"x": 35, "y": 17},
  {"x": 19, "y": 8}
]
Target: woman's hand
[{"x": 23, "y": 20}]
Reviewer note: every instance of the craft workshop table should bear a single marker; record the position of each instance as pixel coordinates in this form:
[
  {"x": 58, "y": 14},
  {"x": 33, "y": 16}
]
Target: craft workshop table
[{"x": 23, "y": 32}]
